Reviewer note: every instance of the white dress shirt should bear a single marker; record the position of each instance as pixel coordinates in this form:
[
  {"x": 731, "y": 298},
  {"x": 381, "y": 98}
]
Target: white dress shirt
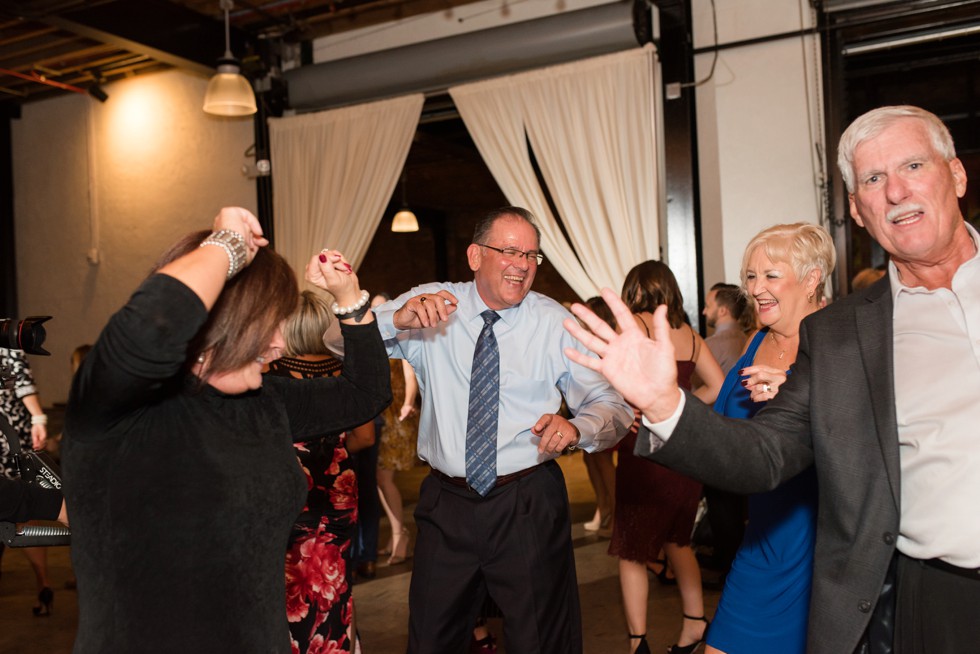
[
  {"x": 937, "y": 404},
  {"x": 534, "y": 374}
]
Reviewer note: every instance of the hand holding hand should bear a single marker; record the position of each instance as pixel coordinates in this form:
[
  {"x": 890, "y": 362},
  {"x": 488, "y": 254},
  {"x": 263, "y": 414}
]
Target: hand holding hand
[
  {"x": 332, "y": 272},
  {"x": 245, "y": 223},
  {"x": 556, "y": 434},
  {"x": 763, "y": 382},
  {"x": 425, "y": 310},
  {"x": 642, "y": 369}
]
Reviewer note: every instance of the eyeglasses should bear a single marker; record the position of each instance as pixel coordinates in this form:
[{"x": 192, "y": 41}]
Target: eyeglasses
[{"x": 514, "y": 254}]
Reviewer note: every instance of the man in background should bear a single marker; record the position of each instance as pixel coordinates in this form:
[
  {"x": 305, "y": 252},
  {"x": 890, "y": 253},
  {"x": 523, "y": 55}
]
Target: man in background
[{"x": 724, "y": 307}]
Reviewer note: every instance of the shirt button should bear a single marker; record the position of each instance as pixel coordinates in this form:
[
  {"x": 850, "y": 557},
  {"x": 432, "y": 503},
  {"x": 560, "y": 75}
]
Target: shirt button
[
  {"x": 889, "y": 538},
  {"x": 864, "y": 606}
]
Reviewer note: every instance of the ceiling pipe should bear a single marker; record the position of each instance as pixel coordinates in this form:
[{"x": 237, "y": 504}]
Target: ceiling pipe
[
  {"x": 436, "y": 65},
  {"x": 34, "y": 77}
]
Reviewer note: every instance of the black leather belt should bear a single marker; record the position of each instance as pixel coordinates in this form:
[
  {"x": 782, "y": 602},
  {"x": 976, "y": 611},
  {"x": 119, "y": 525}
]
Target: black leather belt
[
  {"x": 503, "y": 480},
  {"x": 939, "y": 564}
]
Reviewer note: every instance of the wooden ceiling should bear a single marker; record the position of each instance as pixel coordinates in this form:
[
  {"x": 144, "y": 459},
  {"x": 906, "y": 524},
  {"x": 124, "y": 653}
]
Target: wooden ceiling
[{"x": 62, "y": 46}]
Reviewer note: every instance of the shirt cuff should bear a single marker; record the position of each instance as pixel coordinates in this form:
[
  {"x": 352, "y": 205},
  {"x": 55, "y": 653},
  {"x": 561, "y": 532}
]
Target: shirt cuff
[
  {"x": 386, "y": 322},
  {"x": 661, "y": 431}
]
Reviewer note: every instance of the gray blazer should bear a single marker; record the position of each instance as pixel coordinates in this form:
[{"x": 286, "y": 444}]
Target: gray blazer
[{"x": 837, "y": 411}]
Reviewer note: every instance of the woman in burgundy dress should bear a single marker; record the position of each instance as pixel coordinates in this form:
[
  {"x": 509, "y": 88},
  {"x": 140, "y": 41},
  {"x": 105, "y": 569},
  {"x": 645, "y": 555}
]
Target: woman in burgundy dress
[
  {"x": 319, "y": 605},
  {"x": 655, "y": 507}
]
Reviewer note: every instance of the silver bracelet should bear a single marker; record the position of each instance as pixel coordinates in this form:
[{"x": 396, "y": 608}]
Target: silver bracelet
[
  {"x": 341, "y": 312},
  {"x": 233, "y": 244}
]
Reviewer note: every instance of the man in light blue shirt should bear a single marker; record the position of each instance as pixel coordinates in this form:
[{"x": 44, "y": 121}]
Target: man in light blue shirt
[{"x": 514, "y": 542}]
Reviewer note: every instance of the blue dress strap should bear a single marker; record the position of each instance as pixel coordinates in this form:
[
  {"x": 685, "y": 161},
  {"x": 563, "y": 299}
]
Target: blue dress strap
[{"x": 733, "y": 378}]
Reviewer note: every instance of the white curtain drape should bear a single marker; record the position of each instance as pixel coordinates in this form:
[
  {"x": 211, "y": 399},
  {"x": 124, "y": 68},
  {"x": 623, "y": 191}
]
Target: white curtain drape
[
  {"x": 334, "y": 174},
  {"x": 594, "y": 128}
]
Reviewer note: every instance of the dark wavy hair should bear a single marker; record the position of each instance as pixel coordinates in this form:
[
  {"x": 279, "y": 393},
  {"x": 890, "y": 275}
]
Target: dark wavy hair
[
  {"x": 251, "y": 307},
  {"x": 650, "y": 284}
]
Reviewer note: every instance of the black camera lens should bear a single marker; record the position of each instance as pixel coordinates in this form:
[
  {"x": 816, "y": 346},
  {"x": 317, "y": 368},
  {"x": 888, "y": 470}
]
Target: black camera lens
[{"x": 27, "y": 334}]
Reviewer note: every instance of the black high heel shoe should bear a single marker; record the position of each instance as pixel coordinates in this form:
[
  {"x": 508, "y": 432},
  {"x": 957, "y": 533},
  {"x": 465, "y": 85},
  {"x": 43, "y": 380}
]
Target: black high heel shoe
[
  {"x": 662, "y": 575},
  {"x": 643, "y": 647},
  {"x": 45, "y": 598},
  {"x": 689, "y": 649}
]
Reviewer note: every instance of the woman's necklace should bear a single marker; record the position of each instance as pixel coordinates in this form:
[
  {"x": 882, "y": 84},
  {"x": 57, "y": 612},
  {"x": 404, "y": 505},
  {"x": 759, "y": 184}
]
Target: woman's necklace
[{"x": 773, "y": 337}]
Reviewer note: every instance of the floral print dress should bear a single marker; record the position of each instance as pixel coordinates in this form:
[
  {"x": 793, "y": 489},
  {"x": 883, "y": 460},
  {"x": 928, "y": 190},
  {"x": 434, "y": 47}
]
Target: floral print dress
[{"x": 319, "y": 569}]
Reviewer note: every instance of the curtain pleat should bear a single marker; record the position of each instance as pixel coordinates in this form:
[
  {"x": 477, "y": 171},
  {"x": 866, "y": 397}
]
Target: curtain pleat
[
  {"x": 334, "y": 174},
  {"x": 593, "y": 126}
]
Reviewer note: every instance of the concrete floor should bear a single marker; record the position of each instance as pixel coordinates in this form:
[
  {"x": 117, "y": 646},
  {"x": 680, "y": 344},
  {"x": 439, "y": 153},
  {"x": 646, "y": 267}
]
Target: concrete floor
[{"x": 382, "y": 603}]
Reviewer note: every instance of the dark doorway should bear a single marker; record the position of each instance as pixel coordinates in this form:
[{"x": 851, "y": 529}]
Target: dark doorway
[
  {"x": 449, "y": 188},
  {"x": 921, "y": 53}
]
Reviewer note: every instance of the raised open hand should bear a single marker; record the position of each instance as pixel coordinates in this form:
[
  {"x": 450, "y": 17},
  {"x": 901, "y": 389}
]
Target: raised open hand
[{"x": 642, "y": 369}]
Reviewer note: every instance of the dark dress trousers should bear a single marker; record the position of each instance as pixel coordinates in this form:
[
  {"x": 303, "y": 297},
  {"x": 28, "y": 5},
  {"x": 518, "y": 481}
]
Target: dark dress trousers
[{"x": 837, "y": 410}]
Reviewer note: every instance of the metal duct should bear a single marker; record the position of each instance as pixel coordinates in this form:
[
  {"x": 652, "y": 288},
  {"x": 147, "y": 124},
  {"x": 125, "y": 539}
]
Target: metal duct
[{"x": 439, "y": 64}]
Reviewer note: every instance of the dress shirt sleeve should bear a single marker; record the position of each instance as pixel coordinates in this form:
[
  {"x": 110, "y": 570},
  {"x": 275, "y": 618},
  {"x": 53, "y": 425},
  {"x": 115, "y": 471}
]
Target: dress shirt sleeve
[
  {"x": 400, "y": 343},
  {"x": 659, "y": 432},
  {"x": 599, "y": 412}
]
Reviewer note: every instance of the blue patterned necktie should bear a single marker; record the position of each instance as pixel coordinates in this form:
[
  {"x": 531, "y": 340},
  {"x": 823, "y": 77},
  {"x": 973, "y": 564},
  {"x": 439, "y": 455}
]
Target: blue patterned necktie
[{"x": 481, "y": 419}]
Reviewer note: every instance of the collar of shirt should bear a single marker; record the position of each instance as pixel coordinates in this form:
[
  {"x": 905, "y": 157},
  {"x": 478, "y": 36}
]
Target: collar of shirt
[
  {"x": 897, "y": 287},
  {"x": 472, "y": 306}
]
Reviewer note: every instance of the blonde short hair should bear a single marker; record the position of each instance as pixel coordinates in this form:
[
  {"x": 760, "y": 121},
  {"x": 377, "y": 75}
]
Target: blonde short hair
[
  {"x": 304, "y": 329},
  {"x": 804, "y": 246},
  {"x": 872, "y": 123}
]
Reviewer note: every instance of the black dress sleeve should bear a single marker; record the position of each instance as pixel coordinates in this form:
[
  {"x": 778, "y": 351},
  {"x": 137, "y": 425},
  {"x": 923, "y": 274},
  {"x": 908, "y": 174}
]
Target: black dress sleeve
[
  {"x": 333, "y": 404},
  {"x": 143, "y": 347}
]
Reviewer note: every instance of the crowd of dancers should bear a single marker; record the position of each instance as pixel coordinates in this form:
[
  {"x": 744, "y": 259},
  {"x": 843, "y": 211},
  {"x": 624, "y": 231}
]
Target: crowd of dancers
[{"x": 217, "y": 439}]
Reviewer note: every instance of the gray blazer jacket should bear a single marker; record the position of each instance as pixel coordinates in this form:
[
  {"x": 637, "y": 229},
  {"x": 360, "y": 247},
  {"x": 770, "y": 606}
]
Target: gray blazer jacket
[{"x": 837, "y": 411}]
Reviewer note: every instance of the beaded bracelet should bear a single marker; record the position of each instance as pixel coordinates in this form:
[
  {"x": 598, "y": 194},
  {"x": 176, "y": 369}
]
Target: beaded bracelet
[
  {"x": 39, "y": 419},
  {"x": 355, "y": 311},
  {"x": 233, "y": 244}
]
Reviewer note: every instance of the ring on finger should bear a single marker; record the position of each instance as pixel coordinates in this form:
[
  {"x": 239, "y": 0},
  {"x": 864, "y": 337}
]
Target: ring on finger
[
  {"x": 559, "y": 435},
  {"x": 766, "y": 388},
  {"x": 422, "y": 300}
]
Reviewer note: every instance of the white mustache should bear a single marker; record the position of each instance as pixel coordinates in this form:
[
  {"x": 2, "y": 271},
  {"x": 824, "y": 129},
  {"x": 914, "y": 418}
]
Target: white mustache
[{"x": 903, "y": 210}]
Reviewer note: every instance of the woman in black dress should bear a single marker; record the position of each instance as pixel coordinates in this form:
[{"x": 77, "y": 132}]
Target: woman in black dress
[{"x": 179, "y": 469}]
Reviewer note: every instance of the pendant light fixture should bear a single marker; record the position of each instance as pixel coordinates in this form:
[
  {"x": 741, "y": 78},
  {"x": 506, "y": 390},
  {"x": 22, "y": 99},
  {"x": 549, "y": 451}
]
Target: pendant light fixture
[
  {"x": 229, "y": 93},
  {"x": 404, "y": 220}
]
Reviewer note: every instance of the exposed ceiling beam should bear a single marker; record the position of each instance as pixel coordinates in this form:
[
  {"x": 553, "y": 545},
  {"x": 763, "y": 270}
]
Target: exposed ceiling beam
[{"x": 162, "y": 30}]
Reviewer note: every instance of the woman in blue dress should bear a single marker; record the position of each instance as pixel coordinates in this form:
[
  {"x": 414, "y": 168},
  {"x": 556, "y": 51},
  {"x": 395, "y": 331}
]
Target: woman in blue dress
[{"x": 766, "y": 599}]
